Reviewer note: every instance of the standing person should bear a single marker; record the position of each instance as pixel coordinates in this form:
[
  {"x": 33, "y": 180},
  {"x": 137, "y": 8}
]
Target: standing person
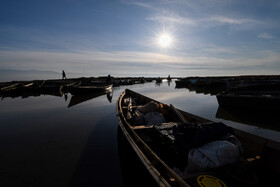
[
  {"x": 63, "y": 75},
  {"x": 108, "y": 80}
]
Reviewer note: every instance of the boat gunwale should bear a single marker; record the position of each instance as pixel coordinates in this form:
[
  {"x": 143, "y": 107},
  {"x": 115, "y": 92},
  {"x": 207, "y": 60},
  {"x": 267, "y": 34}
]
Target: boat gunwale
[{"x": 104, "y": 87}]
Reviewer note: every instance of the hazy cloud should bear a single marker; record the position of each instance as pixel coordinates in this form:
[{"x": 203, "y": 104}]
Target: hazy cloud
[
  {"x": 265, "y": 36},
  {"x": 172, "y": 19},
  {"x": 229, "y": 20}
]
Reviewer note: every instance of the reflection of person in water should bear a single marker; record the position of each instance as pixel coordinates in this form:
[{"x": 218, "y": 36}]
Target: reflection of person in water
[
  {"x": 65, "y": 96},
  {"x": 110, "y": 96}
]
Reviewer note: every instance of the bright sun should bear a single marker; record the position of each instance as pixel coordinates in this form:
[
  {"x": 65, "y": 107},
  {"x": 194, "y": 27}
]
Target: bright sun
[{"x": 165, "y": 40}]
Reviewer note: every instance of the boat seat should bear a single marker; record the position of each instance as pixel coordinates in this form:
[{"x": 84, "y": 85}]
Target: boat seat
[
  {"x": 142, "y": 127},
  {"x": 162, "y": 126}
]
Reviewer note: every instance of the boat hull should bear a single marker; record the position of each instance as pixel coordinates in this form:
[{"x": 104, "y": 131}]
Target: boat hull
[{"x": 76, "y": 90}]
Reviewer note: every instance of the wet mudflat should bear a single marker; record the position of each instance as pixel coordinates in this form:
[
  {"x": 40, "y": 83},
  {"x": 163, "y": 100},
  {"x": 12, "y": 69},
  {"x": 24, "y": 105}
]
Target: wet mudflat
[{"x": 46, "y": 141}]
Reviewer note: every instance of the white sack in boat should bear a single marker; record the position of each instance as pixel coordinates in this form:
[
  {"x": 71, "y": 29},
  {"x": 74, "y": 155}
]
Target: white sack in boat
[
  {"x": 138, "y": 118},
  {"x": 212, "y": 155},
  {"x": 154, "y": 118},
  {"x": 149, "y": 107}
]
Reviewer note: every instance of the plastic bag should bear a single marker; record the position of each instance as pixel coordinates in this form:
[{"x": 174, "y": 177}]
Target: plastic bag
[
  {"x": 212, "y": 155},
  {"x": 154, "y": 118}
]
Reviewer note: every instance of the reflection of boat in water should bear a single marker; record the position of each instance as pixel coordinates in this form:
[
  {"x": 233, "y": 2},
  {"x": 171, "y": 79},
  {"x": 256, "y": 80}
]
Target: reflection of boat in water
[
  {"x": 76, "y": 90},
  {"x": 132, "y": 170},
  {"x": 261, "y": 102},
  {"x": 77, "y": 99},
  {"x": 161, "y": 147},
  {"x": 263, "y": 119}
]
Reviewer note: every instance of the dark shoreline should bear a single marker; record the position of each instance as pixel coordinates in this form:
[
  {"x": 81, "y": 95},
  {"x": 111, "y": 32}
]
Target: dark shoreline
[
  {"x": 66, "y": 81},
  {"x": 210, "y": 84}
]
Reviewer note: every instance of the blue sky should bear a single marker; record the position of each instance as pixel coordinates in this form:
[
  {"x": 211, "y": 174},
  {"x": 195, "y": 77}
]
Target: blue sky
[{"x": 120, "y": 37}]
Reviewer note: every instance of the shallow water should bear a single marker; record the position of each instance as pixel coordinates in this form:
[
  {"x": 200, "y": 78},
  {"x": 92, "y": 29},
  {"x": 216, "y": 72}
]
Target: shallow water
[{"x": 46, "y": 143}]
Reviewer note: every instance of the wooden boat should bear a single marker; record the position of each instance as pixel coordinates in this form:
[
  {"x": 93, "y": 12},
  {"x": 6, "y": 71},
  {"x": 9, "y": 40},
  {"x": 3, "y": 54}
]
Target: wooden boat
[
  {"x": 158, "y": 80},
  {"x": 15, "y": 90},
  {"x": 51, "y": 88},
  {"x": 257, "y": 100},
  {"x": 9, "y": 87},
  {"x": 182, "y": 83},
  {"x": 260, "y": 166},
  {"x": 67, "y": 87},
  {"x": 75, "y": 90}
]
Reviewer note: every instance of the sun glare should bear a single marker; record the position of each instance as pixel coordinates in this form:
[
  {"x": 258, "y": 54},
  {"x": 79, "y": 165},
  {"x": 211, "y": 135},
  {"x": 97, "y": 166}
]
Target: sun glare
[{"x": 165, "y": 40}]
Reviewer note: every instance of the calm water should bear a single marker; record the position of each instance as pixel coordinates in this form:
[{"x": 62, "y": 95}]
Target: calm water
[{"x": 46, "y": 143}]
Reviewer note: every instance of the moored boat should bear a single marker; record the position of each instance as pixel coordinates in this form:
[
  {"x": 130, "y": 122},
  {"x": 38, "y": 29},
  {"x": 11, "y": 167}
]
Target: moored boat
[
  {"x": 75, "y": 90},
  {"x": 257, "y": 97},
  {"x": 9, "y": 87},
  {"x": 158, "y": 80},
  {"x": 51, "y": 88},
  {"x": 15, "y": 90},
  {"x": 67, "y": 87},
  {"x": 164, "y": 148}
]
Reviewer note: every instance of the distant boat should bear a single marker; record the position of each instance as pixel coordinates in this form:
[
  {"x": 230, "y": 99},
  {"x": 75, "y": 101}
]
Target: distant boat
[
  {"x": 51, "y": 88},
  {"x": 159, "y": 80},
  {"x": 182, "y": 83},
  {"x": 159, "y": 147},
  {"x": 257, "y": 97},
  {"x": 15, "y": 90},
  {"x": 75, "y": 90},
  {"x": 67, "y": 87},
  {"x": 10, "y": 88}
]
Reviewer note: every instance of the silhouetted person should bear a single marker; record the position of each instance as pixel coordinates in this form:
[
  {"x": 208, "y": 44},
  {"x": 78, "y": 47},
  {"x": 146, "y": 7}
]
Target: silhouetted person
[
  {"x": 108, "y": 80},
  {"x": 63, "y": 75},
  {"x": 169, "y": 78}
]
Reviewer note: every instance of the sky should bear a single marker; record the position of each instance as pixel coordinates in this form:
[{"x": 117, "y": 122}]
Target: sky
[{"x": 122, "y": 37}]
